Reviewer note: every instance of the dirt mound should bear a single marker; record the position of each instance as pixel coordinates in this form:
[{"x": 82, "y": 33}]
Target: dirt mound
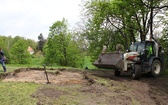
[{"x": 48, "y": 92}]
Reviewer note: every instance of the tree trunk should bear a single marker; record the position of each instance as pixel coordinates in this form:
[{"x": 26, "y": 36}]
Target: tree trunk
[
  {"x": 132, "y": 36},
  {"x": 151, "y": 21}
]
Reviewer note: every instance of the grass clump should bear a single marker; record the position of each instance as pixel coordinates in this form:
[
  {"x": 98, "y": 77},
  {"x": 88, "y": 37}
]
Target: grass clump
[{"x": 16, "y": 93}]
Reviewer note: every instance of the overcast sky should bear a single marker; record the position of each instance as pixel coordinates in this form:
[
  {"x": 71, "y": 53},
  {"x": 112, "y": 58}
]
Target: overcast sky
[{"x": 29, "y": 18}]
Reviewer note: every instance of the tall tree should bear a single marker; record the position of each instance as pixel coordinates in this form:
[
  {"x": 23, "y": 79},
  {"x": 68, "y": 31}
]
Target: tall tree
[
  {"x": 60, "y": 48},
  {"x": 41, "y": 42},
  {"x": 164, "y": 41},
  {"x": 119, "y": 21}
]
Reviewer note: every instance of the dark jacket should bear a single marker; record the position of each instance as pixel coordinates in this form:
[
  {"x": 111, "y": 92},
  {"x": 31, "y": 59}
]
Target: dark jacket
[{"x": 1, "y": 55}]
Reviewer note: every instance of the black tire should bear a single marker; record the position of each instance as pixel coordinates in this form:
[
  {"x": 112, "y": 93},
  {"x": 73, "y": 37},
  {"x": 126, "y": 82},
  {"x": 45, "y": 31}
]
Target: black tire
[
  {"x": 137, "y": 72},
  {"x": 117, "y": 72},
  {"x": 156, "y": 68}
]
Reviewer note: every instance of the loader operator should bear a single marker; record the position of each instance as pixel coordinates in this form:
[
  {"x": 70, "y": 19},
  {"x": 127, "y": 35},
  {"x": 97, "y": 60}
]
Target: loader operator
[{"x": 150, "y": 50}]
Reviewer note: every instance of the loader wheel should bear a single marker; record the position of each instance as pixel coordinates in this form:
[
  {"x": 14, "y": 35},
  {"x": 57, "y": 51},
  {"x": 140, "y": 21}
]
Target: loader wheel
[
  {"x": 156, "y": 68},
  {"x": 136, "y": 72},
  {"x": 117, "y": 72}
]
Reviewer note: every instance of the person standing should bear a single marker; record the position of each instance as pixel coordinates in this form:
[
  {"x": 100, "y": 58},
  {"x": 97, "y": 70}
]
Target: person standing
[{"x": 2, "y": 60}]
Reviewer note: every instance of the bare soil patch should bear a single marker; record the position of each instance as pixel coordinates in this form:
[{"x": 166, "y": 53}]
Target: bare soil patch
[
  {"x": 39, "y": 76},
  {"x": 99, "y": 87}
]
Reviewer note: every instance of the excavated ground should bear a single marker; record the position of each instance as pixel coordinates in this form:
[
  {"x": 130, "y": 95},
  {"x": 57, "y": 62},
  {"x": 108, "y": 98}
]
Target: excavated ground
[{"x": 94, "y": 87}]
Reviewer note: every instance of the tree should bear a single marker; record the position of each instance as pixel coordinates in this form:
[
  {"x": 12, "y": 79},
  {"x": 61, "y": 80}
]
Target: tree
[
  {"x": 33, "y": 44},
  {"x": 41, "y": 42},
  {"x": 60, "y": 48},
  {"x": 19, "y": 53},
  {"x": 111, "y": 21},
  {"x": 6, "y": 45},
  {"x": 164, "y": 41}
]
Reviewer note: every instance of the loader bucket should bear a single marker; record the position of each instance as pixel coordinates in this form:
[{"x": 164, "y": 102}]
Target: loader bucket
[{"x": 112, "y": 60}]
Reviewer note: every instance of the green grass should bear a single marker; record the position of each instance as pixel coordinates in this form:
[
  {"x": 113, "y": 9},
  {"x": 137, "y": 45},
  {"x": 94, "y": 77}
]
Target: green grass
[
  {"x": 88, "y": 63},
  {"x": 16, "y": 93},
  {"x": 10, "y": 67},
  {"x": 37, "y": 62}
]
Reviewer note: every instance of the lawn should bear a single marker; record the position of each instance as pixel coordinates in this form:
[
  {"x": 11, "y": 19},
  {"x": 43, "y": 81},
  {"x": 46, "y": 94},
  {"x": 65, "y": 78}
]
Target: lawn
[{"x": 16, "y": 93}]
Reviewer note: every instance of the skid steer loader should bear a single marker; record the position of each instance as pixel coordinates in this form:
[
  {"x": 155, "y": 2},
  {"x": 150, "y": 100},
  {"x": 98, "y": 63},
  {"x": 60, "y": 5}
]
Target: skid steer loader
[{"x": 142, "y": 57}]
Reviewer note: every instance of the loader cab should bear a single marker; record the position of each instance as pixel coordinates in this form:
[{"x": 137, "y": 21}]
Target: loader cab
[{"x": 146, "y": 49}]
